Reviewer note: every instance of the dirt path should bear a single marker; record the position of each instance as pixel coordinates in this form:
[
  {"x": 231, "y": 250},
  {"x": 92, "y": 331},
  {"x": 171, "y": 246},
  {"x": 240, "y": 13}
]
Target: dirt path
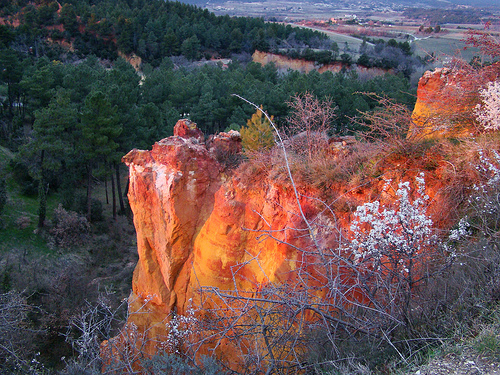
[{"x": 468, "y": 362}]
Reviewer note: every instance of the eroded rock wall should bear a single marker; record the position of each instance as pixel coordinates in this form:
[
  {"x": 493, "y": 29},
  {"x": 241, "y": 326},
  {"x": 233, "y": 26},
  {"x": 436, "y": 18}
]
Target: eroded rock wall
[
  {"x": 200, "y": 225},
  {"x": 446, "y": 98},
  {"x": 284, "y": 63},
  {"x": 194, "y": 222}
]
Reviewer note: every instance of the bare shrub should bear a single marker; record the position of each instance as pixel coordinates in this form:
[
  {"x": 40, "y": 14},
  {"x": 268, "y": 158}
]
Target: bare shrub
[
  {"x": 311, "y": 157},
  {"x": 388, "y": 123},
  {"x": 309, "y": 123},
  {"x": 56, "y": 287},
  {"x": 484, "y": 201},
  {"x": 458, "y": 300},
  {"x": 15, "y": 334},
  {"x": 325, "y": 169},
  {"x": 88, "y": 329},
  {"x": 23, "y": 222},
  {"x": 460, "y": 304},
  {"x": 458, "y": 164},
  {"x": 69, "y": 228},
  {"x": 165, "y": 363},
  {"x": 105, "y": 346},
  {"x": 485, "y": 41}
]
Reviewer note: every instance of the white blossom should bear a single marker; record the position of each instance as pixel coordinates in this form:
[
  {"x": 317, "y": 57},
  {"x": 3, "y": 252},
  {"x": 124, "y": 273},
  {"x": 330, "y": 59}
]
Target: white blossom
[
  {"x": 179, "y": 328},
  {"x": 397, "y": 236},
  {"x": 461, "y": 231},
  {"x": 488, "y": 112}
]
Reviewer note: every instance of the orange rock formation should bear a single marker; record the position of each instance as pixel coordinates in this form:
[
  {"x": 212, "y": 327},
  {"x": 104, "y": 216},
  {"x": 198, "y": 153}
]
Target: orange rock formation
[
  {"x": 199, "y": 225},
  {"x": 190, "y": 218},
  {"x": 445, "y": 101}
]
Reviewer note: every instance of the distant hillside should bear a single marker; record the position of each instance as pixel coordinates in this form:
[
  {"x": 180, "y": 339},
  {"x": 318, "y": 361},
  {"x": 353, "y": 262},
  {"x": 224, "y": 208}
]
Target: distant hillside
[
  {"x": 353, "y": 8},
  {"x": 443, "y": 16}
]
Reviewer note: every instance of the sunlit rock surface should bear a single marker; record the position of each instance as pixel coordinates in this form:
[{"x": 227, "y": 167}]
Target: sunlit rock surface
[
  {"x": 446, "y": 98},
  {"x": 202, "y": 224}
]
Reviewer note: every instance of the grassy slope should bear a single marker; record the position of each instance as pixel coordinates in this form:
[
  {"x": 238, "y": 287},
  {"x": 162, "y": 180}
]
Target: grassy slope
[
  {"x": 20, "y": 216},
  {"x": 60, "y": 281}
]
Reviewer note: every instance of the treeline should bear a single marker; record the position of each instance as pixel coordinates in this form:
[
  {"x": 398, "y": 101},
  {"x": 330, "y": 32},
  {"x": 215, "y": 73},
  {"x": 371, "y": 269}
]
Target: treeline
[
  {"x": 71, "y": 123},
  {"x": 389, "y": 54},
  {"x": 153, "y": 29},
  {"x": 204, "y": 93},
  {"x": 327, "y": 55}
]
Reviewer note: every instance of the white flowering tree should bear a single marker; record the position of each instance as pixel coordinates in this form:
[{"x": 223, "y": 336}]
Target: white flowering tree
[
  {"x": 485, "y": 199},
  {"x": 389, "y": 247},
  {"x": 488, "y": 111},
  {"x": 180, "y": 328}
]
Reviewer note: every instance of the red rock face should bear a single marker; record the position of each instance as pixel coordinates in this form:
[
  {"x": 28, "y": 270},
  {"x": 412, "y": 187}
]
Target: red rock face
[
  {"x": 171, "y": 194},
  {"x": 187, "y": 129},
  {"x": 201, "y": 226},
  {"x": 445, "y": 101},
  {"x": 190, "y": 219},
  {"x": 283, "y": 63}
]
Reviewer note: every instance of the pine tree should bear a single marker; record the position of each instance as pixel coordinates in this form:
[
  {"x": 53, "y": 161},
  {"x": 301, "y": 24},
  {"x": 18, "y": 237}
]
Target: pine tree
[
  {"x": 99, "y": 131},
  {"x": 51, "y": 144},
  {"x": 258, "y": 134}
]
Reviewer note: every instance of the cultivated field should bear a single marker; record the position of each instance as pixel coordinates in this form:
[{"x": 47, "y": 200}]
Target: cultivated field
[{"x": 385, "y": 23}]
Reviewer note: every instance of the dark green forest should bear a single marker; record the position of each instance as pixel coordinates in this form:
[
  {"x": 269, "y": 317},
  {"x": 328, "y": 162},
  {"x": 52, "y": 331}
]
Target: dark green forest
[
  {"x": 151, "y": 29},
  {"x": 75, "y": 119}
]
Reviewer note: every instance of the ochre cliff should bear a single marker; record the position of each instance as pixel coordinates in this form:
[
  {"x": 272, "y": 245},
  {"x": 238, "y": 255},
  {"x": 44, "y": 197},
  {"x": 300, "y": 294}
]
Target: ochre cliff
[
  {"x": 445, "y": 101},
  {"x": 195, "y": 224},
  {"x": 201, "y": 225},
  {"x": 284, "y": 63}
]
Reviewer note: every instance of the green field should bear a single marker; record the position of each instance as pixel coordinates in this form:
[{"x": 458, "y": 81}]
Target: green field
[{"x": 444, "y": 47}]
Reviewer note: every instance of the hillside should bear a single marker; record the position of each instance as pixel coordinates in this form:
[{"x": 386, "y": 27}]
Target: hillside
[{"x": 152, "y": 30}]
